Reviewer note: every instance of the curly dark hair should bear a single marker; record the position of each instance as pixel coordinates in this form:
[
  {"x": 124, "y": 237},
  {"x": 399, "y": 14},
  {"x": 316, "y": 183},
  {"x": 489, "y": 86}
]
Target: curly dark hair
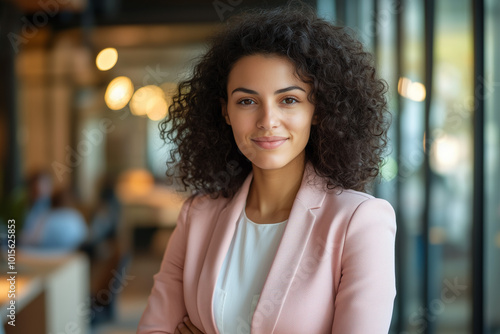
[{"x": 346, "y": 145}]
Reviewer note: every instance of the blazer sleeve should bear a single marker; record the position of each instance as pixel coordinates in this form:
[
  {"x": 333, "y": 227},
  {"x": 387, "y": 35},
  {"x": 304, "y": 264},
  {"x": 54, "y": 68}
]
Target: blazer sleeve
[
  {"x": 166, "y": 308},
  {"x": 366, "y": 292}
]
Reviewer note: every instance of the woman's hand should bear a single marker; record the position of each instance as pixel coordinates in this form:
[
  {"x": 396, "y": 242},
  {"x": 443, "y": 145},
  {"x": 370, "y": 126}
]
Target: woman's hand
[{"x": 186, "y": 327}]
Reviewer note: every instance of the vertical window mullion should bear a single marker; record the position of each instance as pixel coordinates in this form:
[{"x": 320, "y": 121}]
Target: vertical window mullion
[{"x": 478, "y": 174}]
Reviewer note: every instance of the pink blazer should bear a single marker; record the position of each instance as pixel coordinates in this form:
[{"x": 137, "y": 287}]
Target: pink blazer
[{"x": 333, "y": 271}]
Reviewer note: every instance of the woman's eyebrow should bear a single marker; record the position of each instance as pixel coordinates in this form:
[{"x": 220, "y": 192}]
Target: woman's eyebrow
[
  {"x": 279, "y": 91},
  {"x": 283, "y": 90},
  {"x": 244, "y": 90}
]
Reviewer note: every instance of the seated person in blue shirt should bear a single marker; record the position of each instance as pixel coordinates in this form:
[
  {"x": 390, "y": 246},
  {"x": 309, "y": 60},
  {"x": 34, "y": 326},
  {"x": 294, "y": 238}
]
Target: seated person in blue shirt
[{"x": 59, "y": 228}]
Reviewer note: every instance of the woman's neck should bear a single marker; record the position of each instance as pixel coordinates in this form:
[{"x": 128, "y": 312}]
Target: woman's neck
[{"x": 272, "y": 192}]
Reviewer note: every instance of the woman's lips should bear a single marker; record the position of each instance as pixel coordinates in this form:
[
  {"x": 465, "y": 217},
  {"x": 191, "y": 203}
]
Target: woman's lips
[{"x": 269, "y": 142}]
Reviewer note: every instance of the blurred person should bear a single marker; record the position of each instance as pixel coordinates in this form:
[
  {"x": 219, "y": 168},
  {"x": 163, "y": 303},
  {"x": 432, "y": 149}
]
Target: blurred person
[
  {"x": 39, "y": 192},
  {"x": 59, "y": 228},
  {"x": 280, "y": 130}
]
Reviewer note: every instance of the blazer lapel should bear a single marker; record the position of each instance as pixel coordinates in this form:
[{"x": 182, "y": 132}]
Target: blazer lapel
[
  {"x": 289, "y": 254},
  {"x": 217, "y": 250}
]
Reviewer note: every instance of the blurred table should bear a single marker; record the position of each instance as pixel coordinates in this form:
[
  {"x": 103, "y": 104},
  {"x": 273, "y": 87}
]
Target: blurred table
[
  {"x": 52, "y": 293},
  {"x": 160, "y": 208}
]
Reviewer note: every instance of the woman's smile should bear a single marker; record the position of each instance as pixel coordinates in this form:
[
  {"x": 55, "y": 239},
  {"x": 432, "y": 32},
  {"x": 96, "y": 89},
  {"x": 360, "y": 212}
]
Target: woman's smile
[{"x": 269, "y": 142}]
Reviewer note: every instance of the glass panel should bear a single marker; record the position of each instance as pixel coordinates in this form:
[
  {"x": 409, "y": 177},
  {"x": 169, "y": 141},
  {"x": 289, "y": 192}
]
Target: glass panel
[
  {"x": 410, "y": 163},
  {"x": 157, "y": 150},
  {"x": 383, "y": 29},
  {"x": 326, "y": 9},
  {"x": 490, "y": 93},
  {"x": 359, "y": 16},
  {"x": 451, "y": 158},
  {"x": 386, "y": 58}
]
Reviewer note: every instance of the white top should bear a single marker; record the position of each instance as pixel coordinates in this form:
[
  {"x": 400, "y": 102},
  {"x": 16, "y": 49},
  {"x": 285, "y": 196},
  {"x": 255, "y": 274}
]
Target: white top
[{"x": 244, "y": 272}]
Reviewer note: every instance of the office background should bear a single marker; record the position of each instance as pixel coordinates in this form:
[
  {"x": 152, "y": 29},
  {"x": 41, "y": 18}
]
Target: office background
[{"x": 79, "y": 114}]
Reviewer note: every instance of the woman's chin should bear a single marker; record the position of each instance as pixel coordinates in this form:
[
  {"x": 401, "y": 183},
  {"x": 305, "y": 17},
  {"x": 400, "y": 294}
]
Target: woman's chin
[{"x": 268, "y": 165}]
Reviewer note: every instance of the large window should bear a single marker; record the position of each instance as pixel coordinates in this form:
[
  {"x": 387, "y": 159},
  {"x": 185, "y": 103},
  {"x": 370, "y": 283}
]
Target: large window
[
  {"x": 425, "y": 51},
  {"x": 451, "y": 161},
  {"x": 489, "y": 92},
  {"x": 411, "y": 92}
]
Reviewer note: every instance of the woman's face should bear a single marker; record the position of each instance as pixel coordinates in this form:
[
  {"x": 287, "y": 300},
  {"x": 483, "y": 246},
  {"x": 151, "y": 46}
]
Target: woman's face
[{"x": 268, "y": 110}]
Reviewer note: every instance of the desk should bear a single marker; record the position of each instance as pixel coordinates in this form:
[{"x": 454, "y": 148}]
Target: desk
[{"x": 52, "y": 294}]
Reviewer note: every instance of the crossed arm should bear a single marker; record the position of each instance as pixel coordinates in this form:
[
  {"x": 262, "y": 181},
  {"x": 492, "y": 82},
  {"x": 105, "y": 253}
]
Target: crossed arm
[{"x": 186, "y": 327}]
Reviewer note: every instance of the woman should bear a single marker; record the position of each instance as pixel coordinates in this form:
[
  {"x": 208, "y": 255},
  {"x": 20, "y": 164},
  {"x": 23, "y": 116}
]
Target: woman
[{"x": 280, "y": 130}]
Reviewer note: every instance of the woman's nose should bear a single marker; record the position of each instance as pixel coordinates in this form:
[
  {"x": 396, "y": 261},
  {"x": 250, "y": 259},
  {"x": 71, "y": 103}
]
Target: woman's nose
[{"x": 268, "y": 117}]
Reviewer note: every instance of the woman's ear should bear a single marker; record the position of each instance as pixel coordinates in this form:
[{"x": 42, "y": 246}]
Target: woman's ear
[
  {"x": 314, "y": 119},
  {"x": 224, "y": 111}
]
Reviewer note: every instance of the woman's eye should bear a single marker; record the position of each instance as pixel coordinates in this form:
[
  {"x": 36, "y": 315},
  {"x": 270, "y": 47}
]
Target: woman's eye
[
  {"x": 289, "y": 100},
  {"x": 246, "y": 102}
]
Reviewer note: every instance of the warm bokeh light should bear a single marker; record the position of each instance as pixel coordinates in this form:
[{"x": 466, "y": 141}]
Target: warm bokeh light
[
  {"x": 445, "y": 154},
  {"x": 147, "y": 100},
  {"x": 156, "y": 108},
  {"x": 118, "y": 93},
  {"x": 134, "y": 183},
  {"x": 106, "y": 59},
  {"x": 411, "y": 90}
]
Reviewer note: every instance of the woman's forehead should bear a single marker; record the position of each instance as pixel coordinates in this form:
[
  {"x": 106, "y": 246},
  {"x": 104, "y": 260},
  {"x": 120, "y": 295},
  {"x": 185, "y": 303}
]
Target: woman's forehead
[{"x": 265, "y": 71}]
